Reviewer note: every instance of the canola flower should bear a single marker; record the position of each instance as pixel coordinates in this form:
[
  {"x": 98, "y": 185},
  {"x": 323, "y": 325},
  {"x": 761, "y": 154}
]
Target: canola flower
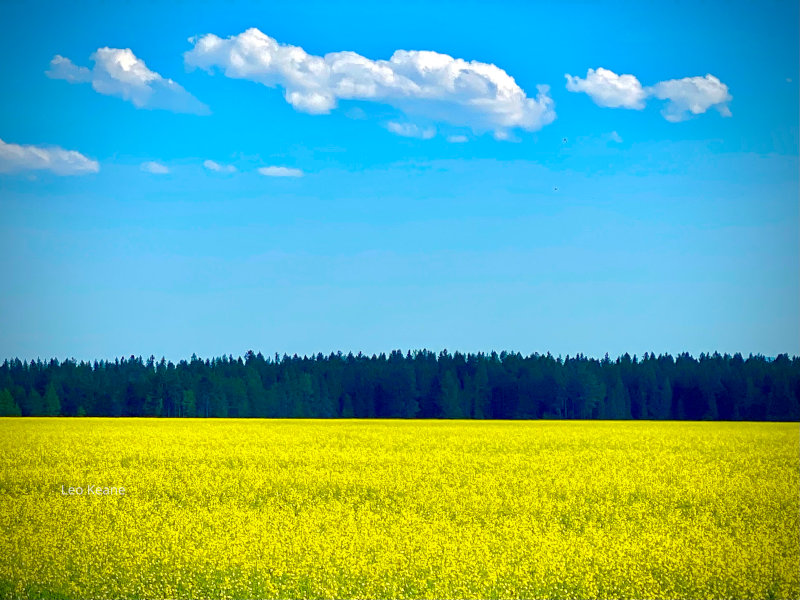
[{"x": 398, "y": 509}]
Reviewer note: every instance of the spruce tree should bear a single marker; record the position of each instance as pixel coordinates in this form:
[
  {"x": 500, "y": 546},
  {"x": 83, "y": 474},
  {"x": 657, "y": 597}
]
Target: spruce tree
[
  {"x": 51, "y": 402},
  {"x": 8, "y": 406}
]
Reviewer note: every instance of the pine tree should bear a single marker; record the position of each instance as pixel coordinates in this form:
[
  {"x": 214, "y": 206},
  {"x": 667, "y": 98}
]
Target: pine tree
[
  {"x": 617, "y": 401},
  {"x": 665, "y": 400},
  {"x": 8, "y": 406},
  {"x": 449, "y": 404},
  {"x": 347, "y": 406},
  {"x": 480, "y": 397},
  {"x": 51, "y": 402},
  {"x": 153, "y": 405},
  {"x": 35, "y": 404},
  {"x": 188, "y": 404}
]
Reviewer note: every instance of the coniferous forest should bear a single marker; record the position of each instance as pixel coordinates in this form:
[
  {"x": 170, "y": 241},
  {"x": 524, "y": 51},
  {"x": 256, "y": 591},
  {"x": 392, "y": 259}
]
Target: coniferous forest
[{"x": 420, "y": 384}]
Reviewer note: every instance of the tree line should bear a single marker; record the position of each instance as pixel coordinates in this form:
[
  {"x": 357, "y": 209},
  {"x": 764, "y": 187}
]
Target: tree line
[{"x": 419, "y": 384}]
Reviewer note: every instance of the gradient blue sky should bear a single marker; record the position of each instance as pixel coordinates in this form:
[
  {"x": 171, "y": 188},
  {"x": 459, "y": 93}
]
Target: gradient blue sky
[{"x": 661, "y": 236}]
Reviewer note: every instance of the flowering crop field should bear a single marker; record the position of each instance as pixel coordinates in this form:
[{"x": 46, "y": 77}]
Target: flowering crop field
[{"x": 398, "y": 509}]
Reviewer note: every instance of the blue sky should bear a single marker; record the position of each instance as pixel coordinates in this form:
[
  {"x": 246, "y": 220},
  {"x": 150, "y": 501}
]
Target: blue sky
[{"x": 647, "y": 204}]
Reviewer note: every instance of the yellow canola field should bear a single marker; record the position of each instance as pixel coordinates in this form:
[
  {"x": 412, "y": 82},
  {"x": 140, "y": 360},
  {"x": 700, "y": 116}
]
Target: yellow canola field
[{"x": 398, "y": 509}]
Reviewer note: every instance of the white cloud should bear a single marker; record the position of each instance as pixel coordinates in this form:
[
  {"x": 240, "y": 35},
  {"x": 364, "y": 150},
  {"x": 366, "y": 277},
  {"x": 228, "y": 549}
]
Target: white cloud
[
  {"x": 692, "y": 95},
  {"x": 63, "y": 68},
  {"x": 14, "y": 158},
  {"x": 119, "y": 72},
  {"x": 155, "y": 168},
  {"x": 427, "y": 84},
  {"x": 615, "y": 137},
  {"x": 411, "y": 130},
  {"x": 280, "y": 172},
  {"x": 607, "y": 88},
  {"x": 219, "y": 168},
  {"x": 685, "y": 97},
  {"x": 505, "y": 136},
  {"x": 457, "y": 139}
]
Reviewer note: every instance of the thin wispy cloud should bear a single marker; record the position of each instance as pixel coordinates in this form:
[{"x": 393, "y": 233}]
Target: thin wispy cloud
[
  {"x": 155, "y": 168},
  {"x": 457, "y": 139},
  {"x": 218, "y": 168},
  {"x": 16, "y": 158},
  {"x": 411, "y": 130},
  {"x": 429, "y": 85},
  {"x": 356, "y": 113},
  {"x": 119, "y": 72},
  {"x": 684, "y": 97},
  {"x": 505, "y": 136},
  {"x": 275, "y": 171}
]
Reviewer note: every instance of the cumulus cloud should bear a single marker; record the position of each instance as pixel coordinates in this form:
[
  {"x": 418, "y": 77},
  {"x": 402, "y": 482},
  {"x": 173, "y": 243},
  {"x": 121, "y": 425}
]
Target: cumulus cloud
[
  {"x": 14, "y": 158},
  {"x": 685, "y": 97},
  {"x": 411, "y": 130},
  {"x": 692, "y": 96},
  {"x": 280, "y": 172},
  {"x": 155, "y": 168},
  {"x": 607, "y": 88},
  {"x": 119, "y": 72},
  {"x": 219, "y": 168},
  {"x": 615, "y": 137},
  {"x": 457, "y": 139},
  {"x": 430, "y": 85}
]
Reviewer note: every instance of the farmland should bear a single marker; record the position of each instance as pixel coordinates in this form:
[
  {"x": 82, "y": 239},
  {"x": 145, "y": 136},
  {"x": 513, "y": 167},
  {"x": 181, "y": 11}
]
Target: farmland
[{"x": 409, "y": 509}]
